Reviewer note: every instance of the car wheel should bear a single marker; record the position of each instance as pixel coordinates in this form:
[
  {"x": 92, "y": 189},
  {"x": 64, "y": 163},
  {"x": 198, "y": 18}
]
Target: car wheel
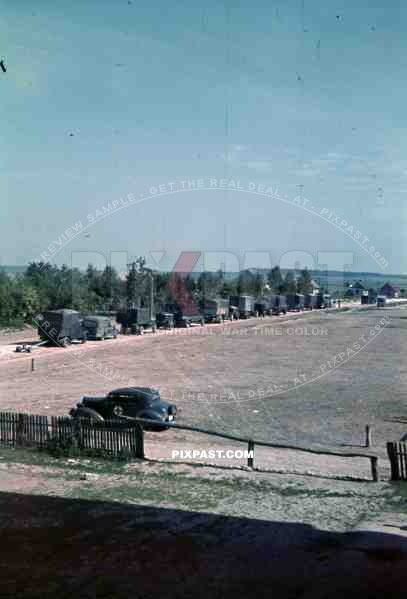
[{"x": 87, "y": 413}]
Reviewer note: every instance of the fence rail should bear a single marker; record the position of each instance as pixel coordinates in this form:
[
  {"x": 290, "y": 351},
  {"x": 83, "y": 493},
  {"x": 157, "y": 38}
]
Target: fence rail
[{"x": 251, "y": 445}]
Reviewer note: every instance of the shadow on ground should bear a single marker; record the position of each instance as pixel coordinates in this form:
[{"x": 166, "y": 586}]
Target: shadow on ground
[{"x": 57, "y": 547}]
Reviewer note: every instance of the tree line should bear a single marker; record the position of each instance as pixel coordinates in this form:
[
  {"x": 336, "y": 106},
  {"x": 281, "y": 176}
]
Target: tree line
[{"x": 48, "y": 287}]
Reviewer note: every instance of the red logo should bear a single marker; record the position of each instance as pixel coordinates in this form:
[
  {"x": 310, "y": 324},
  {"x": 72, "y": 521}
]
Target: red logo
[{"x": 176, "y": 283}]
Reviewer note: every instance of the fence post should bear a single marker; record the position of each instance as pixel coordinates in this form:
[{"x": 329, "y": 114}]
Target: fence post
[
  {"x": 250, "y": 458},
  {"x": 20, "y": 430},
  {"x": 139, "y": 441},
  {"x": 394, "y": 465},
  {"x": 76, "y": 433},
  {"x": 368, "y": 436},
  {"x": 374, "y": 468}
]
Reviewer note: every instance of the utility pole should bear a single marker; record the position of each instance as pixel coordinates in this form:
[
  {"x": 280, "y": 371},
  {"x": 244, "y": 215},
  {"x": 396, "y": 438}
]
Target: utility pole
[
  {"x": 138, "y": 266},
  {"x": 131, "y": 284}
]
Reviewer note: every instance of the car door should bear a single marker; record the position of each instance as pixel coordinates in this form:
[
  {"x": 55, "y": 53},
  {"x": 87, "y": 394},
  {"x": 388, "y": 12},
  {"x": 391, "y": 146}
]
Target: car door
[{"x": 117, "y": 406}]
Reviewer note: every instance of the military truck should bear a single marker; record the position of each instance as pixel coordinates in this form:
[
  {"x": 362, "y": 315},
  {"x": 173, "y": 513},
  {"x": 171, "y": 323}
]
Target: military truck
[
  {"x": 182, "y": 319},
  {"x": 99, "y": 327},
  {"x": 244, "y": 305},
  {"x": 216, "y": 310},
  {"x": 262, "y": 307},
  {"x": 61, "y": 327},
  {"x": 310, "y": 301},
  {"x": 295, "y": 302},
  {"x": 322, "y": 300},
  {"x": 136, "y": 321},
  {"x": 165, "y": 320},
  {"x": 278, "y": 305}
]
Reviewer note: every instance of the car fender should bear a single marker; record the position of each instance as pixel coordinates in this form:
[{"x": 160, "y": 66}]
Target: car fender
[
  {"x": 83, "y": 412},
  {"x": 150, "y": 416}
]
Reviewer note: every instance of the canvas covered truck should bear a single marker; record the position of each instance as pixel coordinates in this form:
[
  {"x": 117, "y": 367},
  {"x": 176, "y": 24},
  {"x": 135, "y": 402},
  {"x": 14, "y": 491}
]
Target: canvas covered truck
[
  {"x": 187, "y": 318},
  {"x": 310, "y": 301},
  {"x": 295, "y": 301},
  {"x": 321, "y": 301},
  {"x": 165, "y": 320},
  {"x": 99, "y": 327},
  {"x": 278, "y": 305},
  {"x": 262, "y": 307},
  {"x": 61, "y": 327},
  {"x": 136, "y": 321},
  {"x": 215, "y": 310},
  {"x": 243, "y": 305}
]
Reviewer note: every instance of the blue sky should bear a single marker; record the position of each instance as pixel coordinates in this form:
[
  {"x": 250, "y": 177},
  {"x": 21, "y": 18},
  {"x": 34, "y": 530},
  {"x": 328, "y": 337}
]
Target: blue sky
[{"x": 315, "y": 105}]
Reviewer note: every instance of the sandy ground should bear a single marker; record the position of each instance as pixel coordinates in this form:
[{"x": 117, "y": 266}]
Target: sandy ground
[{"x": 182, "y": 530}]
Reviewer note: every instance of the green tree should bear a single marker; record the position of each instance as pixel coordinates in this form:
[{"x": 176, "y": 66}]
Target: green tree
[
  {"x": 304, "y": 282},
  {"x": 276, "y": 280},
  {"x": 290, "y": 285}
]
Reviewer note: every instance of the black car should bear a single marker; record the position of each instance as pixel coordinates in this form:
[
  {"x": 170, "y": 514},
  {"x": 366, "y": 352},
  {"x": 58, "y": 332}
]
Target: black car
[{"x": 134, "y": 402}]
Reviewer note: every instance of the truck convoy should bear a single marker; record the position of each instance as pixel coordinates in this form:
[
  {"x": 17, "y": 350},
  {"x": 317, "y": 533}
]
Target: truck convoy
[{"x": 62, "y": 327}]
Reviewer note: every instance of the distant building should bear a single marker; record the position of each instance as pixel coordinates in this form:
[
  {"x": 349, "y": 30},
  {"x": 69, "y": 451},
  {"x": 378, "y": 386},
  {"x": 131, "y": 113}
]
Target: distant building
[{"x": 390, "y": 290}]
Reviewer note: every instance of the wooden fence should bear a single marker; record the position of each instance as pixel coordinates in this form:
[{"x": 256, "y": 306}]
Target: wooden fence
[
  {"x": 64, "y": 433},
  {"x": 397, "y": 453},
  {"x": 126, "y": 439}
]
